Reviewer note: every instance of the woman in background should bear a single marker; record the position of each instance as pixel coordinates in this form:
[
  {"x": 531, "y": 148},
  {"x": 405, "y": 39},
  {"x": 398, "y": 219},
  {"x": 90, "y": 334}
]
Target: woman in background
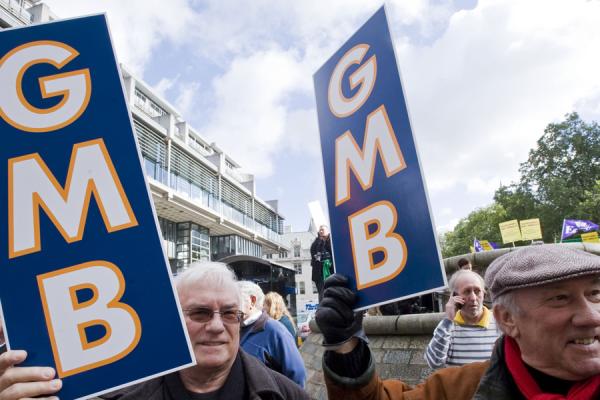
[{"x": 274, "y": 305}]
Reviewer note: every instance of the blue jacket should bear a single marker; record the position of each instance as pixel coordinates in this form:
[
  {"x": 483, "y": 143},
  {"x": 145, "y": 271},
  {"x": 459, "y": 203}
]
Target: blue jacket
[{"x": 270, "y": 342}]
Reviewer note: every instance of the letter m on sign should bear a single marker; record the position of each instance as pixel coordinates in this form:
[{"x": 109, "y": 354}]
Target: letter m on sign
[
  {"x": 32, "y": 186},
  {"x": 379, "y": 137}
]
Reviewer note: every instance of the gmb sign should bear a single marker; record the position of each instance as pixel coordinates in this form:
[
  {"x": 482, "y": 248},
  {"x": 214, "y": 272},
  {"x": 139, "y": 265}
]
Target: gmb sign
[
  {"x": 84, "y": 283},
  {"x": 382, "y": 232}
]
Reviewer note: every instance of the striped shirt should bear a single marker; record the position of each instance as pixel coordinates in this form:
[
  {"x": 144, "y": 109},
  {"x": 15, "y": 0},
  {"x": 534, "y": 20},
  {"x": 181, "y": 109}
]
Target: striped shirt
[{"x": 458, "y": 344}]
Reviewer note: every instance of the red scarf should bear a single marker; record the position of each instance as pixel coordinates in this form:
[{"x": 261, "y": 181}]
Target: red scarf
[{"x": 583, "y": 390}]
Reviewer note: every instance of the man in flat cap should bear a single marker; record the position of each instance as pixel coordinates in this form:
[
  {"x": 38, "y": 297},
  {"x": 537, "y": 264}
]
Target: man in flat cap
[{"x": 546, "y": 303}]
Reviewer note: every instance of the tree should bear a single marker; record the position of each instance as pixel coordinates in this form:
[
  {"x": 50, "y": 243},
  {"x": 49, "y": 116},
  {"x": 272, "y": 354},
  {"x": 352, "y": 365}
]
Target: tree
[
  {"x": 560, "y": 179},
  {"x": 560, "y": 173},
  {"x": 480, "y": 224}
]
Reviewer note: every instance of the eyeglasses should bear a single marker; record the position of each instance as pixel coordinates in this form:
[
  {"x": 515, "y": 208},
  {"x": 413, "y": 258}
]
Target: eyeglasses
[{"x": 204, "y": 315}]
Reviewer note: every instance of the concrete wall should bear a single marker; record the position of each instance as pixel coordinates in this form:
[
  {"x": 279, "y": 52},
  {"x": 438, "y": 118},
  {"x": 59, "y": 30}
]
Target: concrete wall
[{"x": 397, "y": 343}]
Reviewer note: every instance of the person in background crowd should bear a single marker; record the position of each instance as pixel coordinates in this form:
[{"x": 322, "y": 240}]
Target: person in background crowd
[
  {"x": 321, "y": 259},
  {"x": 463, "y": 263},
  {"x": 468, "y": 332},
  {"x": 547, "y": 305},
  {"x": 210, "y": 300},
  {"x": 267, "y": 339},
  {"x": 274, "y": 305}
]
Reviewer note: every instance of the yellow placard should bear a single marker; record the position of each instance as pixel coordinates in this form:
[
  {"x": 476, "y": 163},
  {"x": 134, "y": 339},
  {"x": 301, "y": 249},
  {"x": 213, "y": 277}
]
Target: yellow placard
[
  {"x": 510, "y": 231},
  {"x": 486, "y": 245},
  {"x": 591, "y": 237},
  {"x": 531, "y": 229}
]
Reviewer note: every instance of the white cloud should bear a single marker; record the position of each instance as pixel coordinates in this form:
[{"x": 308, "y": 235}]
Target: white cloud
[
  {"x": 482, "y": 94},
  {"x": 138, "y": 27},
  {"x": 164, "y": 85},
  {"x": 186, "y": 98},
  {"x": 250, "y": 107},
  {"x": 481, "y": 84}
]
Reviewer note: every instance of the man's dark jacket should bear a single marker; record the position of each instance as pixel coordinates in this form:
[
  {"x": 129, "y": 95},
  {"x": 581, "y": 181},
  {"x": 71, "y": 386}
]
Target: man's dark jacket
[
  {"x": 262, "y": 384},
  {"x": 319, "y": 246}
]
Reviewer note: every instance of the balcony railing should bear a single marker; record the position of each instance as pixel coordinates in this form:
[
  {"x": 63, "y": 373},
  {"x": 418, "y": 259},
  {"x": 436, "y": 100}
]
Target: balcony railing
[{"x": 15, "y": 9}]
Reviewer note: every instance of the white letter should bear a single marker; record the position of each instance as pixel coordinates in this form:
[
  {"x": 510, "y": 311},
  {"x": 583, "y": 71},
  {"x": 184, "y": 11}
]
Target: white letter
[
  {"x": 74, "y": 87},
  {"x": 67, "y": 318},
  {"x": 379, "y": 136},
  {"x": 383, "y": 239},
  {"x": 365, "y": 75},
  {"x": 31, "y": 185}
]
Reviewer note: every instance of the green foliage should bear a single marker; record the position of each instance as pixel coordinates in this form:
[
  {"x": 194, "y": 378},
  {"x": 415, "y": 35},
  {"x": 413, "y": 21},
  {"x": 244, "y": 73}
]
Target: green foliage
[
  {"x": 480, "y": 224},
  {"x": 560, "y": 179}
]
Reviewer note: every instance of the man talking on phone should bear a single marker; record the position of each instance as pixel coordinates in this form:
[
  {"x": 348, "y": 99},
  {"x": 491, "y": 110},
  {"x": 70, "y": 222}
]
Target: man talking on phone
[{"x": 468, "y": 332}]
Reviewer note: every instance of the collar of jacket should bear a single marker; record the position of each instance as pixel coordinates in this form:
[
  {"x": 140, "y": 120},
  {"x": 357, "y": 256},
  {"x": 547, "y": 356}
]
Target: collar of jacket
[
  {"x": 483, "y": 322},
  {"x": 260, "y": 382},
  {"x": 496, "y": 383},
  {"x": 259, "y": 324}
]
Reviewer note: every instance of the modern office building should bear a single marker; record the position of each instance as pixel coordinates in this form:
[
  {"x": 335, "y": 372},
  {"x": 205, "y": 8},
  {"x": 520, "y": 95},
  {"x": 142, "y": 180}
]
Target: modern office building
[
  {"x": 207, "y": 207},
  {"x": 23, "y": 12}
]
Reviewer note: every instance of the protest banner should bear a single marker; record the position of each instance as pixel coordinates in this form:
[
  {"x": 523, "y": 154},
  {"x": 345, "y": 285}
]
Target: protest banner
[
  {"x": 591, "y": 237},
  {"x": 510, "y": 232},
  {"x": 572, "y": 226},
  {"x": 381, "y": 227},
  {"x": 85, "y": 286},
  {"x": 531, "y": 229}
]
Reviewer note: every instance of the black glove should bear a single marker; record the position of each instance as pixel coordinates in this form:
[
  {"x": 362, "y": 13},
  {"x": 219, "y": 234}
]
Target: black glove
[{"x": 335, "y": 318}]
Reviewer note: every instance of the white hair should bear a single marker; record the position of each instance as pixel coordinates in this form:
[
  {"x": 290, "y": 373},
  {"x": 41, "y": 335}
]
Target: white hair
[
  {"x": 214, "y": 273},
  {"x": 248, "y": 289},
  {"x": 462, "y": 273}
]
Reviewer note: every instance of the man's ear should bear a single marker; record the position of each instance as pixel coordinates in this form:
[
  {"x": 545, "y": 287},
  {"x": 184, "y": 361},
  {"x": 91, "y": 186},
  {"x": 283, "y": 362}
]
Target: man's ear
[
  {"x": 253, "y": 300},
  {"x": 506, "y": 321}
]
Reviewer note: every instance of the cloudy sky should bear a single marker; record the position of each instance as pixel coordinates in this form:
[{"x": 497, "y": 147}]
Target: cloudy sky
[{"x": 482, "y": 80}]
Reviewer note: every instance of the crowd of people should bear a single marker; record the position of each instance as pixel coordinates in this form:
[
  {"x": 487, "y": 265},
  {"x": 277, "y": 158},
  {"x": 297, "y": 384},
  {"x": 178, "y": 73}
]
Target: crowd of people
[{"x": 540, "y": 340}]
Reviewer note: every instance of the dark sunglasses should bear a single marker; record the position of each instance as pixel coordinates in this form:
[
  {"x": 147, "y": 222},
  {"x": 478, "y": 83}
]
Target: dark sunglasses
[{"x": 204, "y": 315}]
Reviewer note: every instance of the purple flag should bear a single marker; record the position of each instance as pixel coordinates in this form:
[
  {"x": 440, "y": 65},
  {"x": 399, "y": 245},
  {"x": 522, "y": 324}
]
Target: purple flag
[{"x": 572, "y": 226}]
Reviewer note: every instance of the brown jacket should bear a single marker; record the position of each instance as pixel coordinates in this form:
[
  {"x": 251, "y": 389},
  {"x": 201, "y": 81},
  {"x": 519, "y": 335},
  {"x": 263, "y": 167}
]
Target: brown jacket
[
  {"x": 453, "y": 383},
  {"x": 489, "y": 380}
]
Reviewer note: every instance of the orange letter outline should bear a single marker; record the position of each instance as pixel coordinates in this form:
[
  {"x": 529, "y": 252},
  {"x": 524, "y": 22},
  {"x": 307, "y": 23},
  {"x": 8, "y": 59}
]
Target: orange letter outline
[{"x": 115, "y": 303}]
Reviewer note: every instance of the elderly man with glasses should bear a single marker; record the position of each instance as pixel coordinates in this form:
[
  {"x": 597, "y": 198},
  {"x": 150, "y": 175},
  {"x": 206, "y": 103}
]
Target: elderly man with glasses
[{"x": 210, "y": 300}]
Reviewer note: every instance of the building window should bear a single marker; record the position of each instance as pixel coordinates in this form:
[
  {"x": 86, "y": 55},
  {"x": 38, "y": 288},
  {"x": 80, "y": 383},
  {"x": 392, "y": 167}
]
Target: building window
[
  {"x": 297, "y": 250},
  {"x": 283, "y": 254},
  {"x": 301, "y": 288},
  {"x": 314, "y": 286},
  {"x": 269, "y": 256},
  {"x": 298, "y": 268}
]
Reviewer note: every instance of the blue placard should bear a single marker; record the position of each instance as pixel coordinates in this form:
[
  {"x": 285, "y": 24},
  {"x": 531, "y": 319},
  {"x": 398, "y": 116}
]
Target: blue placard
[
  {"x": 84, "y": 283},
  {"x": 381, "y": 227}
]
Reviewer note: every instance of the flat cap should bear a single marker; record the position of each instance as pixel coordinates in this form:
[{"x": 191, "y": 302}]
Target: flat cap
[{"x": 538, "y": 265}]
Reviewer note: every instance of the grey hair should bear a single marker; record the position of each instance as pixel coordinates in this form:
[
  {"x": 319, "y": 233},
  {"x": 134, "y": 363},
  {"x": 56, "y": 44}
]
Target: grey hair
[
  {"x": 507, "y": 301},
  {"x": 215, "y": 273},
  {"x": 461, "y": 273},
  {"x": 248, "y": 289}
]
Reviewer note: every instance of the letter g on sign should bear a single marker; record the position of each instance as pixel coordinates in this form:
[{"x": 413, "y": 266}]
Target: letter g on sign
[
  {"x": 74, "y": 87},
  {"x": 365, "y": 75}
]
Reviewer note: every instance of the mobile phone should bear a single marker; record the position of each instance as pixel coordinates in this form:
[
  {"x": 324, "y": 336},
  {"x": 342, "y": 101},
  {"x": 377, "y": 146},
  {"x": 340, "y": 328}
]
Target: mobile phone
[{"x": 457, "y": 305}]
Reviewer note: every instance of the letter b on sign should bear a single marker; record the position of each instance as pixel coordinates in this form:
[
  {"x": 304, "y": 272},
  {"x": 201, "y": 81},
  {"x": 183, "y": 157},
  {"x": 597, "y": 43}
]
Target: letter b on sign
[
  {"x": 366, "y": 242},
  {"x": 68, "y": 317}
]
